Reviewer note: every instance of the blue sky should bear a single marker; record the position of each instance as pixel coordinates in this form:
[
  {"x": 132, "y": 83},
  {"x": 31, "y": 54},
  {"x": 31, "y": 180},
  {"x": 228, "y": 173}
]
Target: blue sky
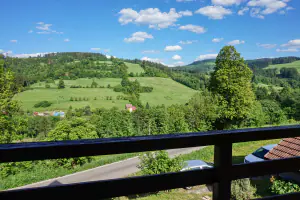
[{"x": 173, "y": 32}]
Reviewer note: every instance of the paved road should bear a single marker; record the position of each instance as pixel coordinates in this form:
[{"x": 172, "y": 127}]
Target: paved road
[{"x": 111, "y": 171}]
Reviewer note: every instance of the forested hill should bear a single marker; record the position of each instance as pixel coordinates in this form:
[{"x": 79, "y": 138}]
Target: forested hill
[
  {"x": 198, "y": 66},
  {"x": 74, "y": 65},
  {"x": 208, "y": 65}
]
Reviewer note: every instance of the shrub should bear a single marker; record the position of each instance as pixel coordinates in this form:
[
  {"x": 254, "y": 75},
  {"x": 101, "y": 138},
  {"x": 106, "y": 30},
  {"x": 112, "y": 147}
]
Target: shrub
[
  {"x": 95, "y": 98},
  {"x": 242, "y": 189},
  {"x": 13, "y": 168},
  {"x": 159, "y": 162},
  {"x": 47, "y": 85},
  {"x": 71, "y": 99},
  {"x": 43, "y": 104},
  {"x": 108, "y": 86},
  {"x": 282, "y": 187},
  {"x": 61, "y": 84}
]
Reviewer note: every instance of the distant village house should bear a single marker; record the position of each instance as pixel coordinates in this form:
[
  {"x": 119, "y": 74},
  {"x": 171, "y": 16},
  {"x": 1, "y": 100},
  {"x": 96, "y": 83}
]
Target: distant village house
[{"x": 130, "y": 107}]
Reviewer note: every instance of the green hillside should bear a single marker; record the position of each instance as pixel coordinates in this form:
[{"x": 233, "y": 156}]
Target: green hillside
[
  {"x": 165, "y": 91},
  {"x": 198, "y": 66},
  {"x": 134, "y": 68},
  {"x": 295, "y": 64}
]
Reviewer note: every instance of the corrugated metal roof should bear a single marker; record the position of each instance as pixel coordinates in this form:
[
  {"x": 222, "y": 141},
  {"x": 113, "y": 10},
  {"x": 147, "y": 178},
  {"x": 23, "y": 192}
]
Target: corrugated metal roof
[{"x": 288, "y": 147}]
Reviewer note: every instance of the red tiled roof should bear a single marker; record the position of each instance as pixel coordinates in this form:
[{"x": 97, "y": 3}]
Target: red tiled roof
[{"x": 288, "y": 147}]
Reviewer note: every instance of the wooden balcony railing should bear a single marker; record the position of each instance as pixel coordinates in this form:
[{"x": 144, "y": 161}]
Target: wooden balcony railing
[{"x": 220, "y": 176}]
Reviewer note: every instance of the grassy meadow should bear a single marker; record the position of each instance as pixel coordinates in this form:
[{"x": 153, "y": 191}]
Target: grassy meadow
[
  {"x": 295, "y": 64},
  {"x": 165, "y": 91},
  {"x": 134, "y": 68}
]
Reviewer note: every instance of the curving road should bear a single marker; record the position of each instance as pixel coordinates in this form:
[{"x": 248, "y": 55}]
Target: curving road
[{"x": 111, "y": 171}]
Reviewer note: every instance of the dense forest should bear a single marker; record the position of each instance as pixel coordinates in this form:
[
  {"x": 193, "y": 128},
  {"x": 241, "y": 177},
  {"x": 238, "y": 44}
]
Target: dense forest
[{"x": 253, "y": 97}]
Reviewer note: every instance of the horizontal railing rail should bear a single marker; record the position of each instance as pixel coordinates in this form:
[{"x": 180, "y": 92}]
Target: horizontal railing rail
[{"x": 220, "y": 176}]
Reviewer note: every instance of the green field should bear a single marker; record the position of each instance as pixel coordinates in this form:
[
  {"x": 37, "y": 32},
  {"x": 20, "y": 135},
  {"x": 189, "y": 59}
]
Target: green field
[
  {"x": 134, "y": 68},
  {"x": 295, "y": 64},
  {"x": 165, "y": 91}
]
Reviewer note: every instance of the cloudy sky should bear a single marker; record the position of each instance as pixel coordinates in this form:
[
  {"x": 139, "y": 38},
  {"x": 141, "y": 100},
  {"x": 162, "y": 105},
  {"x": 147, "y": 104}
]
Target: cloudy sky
[{"x": 174, "y": 32}]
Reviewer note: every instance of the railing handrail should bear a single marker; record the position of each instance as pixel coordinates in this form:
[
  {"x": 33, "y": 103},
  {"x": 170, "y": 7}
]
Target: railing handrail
[
  {"x": 61, "y": 149},
  {"x": 221, "y": 175}
]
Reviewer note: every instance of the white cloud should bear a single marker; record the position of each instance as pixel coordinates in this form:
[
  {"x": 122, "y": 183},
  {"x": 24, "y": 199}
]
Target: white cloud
[
  {"x": 14, "y": 41},
  {"x": 1, "y": 50},
  {"x": 150, "y": 51},
  {"x": 95, "y": 49},
  {"x": 173, "y": 48},
  {"x": 226, "y": 2},
  {"x": 43, "y": 32},
  {"x": 214, "y": 12},
  {"x": 27, "y": 55},
  {"x": 186, "y": 13},
  {"x": 155, "y": 60},
  {"x": 57, "y": 32},
  {"x": 67, "y": 40},
  {"x": 243, "y": 11},
  {"x": 30, "y": 31},
  {"x": 138, "y": 37},
  {"x": 236, "y": 42},
  {"x": 193, "y": 28},
  {"x": 256, "y": 12},
  {"x": 206, "y": 57},
  {"x": 179, "y": 63},
  {"x": 268, "y": 6},
  {"x": 267, "y": 46},
  {"x": 188, "y": 42},
  {"x": 292, "y": 43},
  {"x": 290, "y": 8},
  {"x": 217, "y": 40},
  {"x": 176, "y": 57},
  {"x": 44, "y": 27},
  {"x": 152, "y": 17},
  {"x": 287, "y": 50},
  {"x": 109, "y": 56}
]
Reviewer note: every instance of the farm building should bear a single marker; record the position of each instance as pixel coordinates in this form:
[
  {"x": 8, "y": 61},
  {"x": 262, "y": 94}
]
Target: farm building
[{"x": 130, "y": 107}]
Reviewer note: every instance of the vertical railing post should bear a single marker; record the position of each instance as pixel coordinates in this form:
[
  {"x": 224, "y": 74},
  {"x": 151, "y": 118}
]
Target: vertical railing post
[{"x": 223, "y": 164}]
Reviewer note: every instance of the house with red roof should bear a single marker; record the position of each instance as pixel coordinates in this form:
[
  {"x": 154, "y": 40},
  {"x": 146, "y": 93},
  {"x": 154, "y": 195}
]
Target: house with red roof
[
  {"x": 130, "y": 107},
  {"x": 287, "y": 148}
]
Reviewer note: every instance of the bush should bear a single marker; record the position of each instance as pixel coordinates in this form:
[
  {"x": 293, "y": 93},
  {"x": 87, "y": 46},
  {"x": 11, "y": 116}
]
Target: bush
[
  {"x": 13, "y": 168},
  {"x": 61, "y": 84},
  {"x": 43, "y": 104},
  {"x": 282, "y": 187},
  {"x": 47, "y": 86},
  {"x": 159, "y": 162},
  {"x": 242, "y": 189}
]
